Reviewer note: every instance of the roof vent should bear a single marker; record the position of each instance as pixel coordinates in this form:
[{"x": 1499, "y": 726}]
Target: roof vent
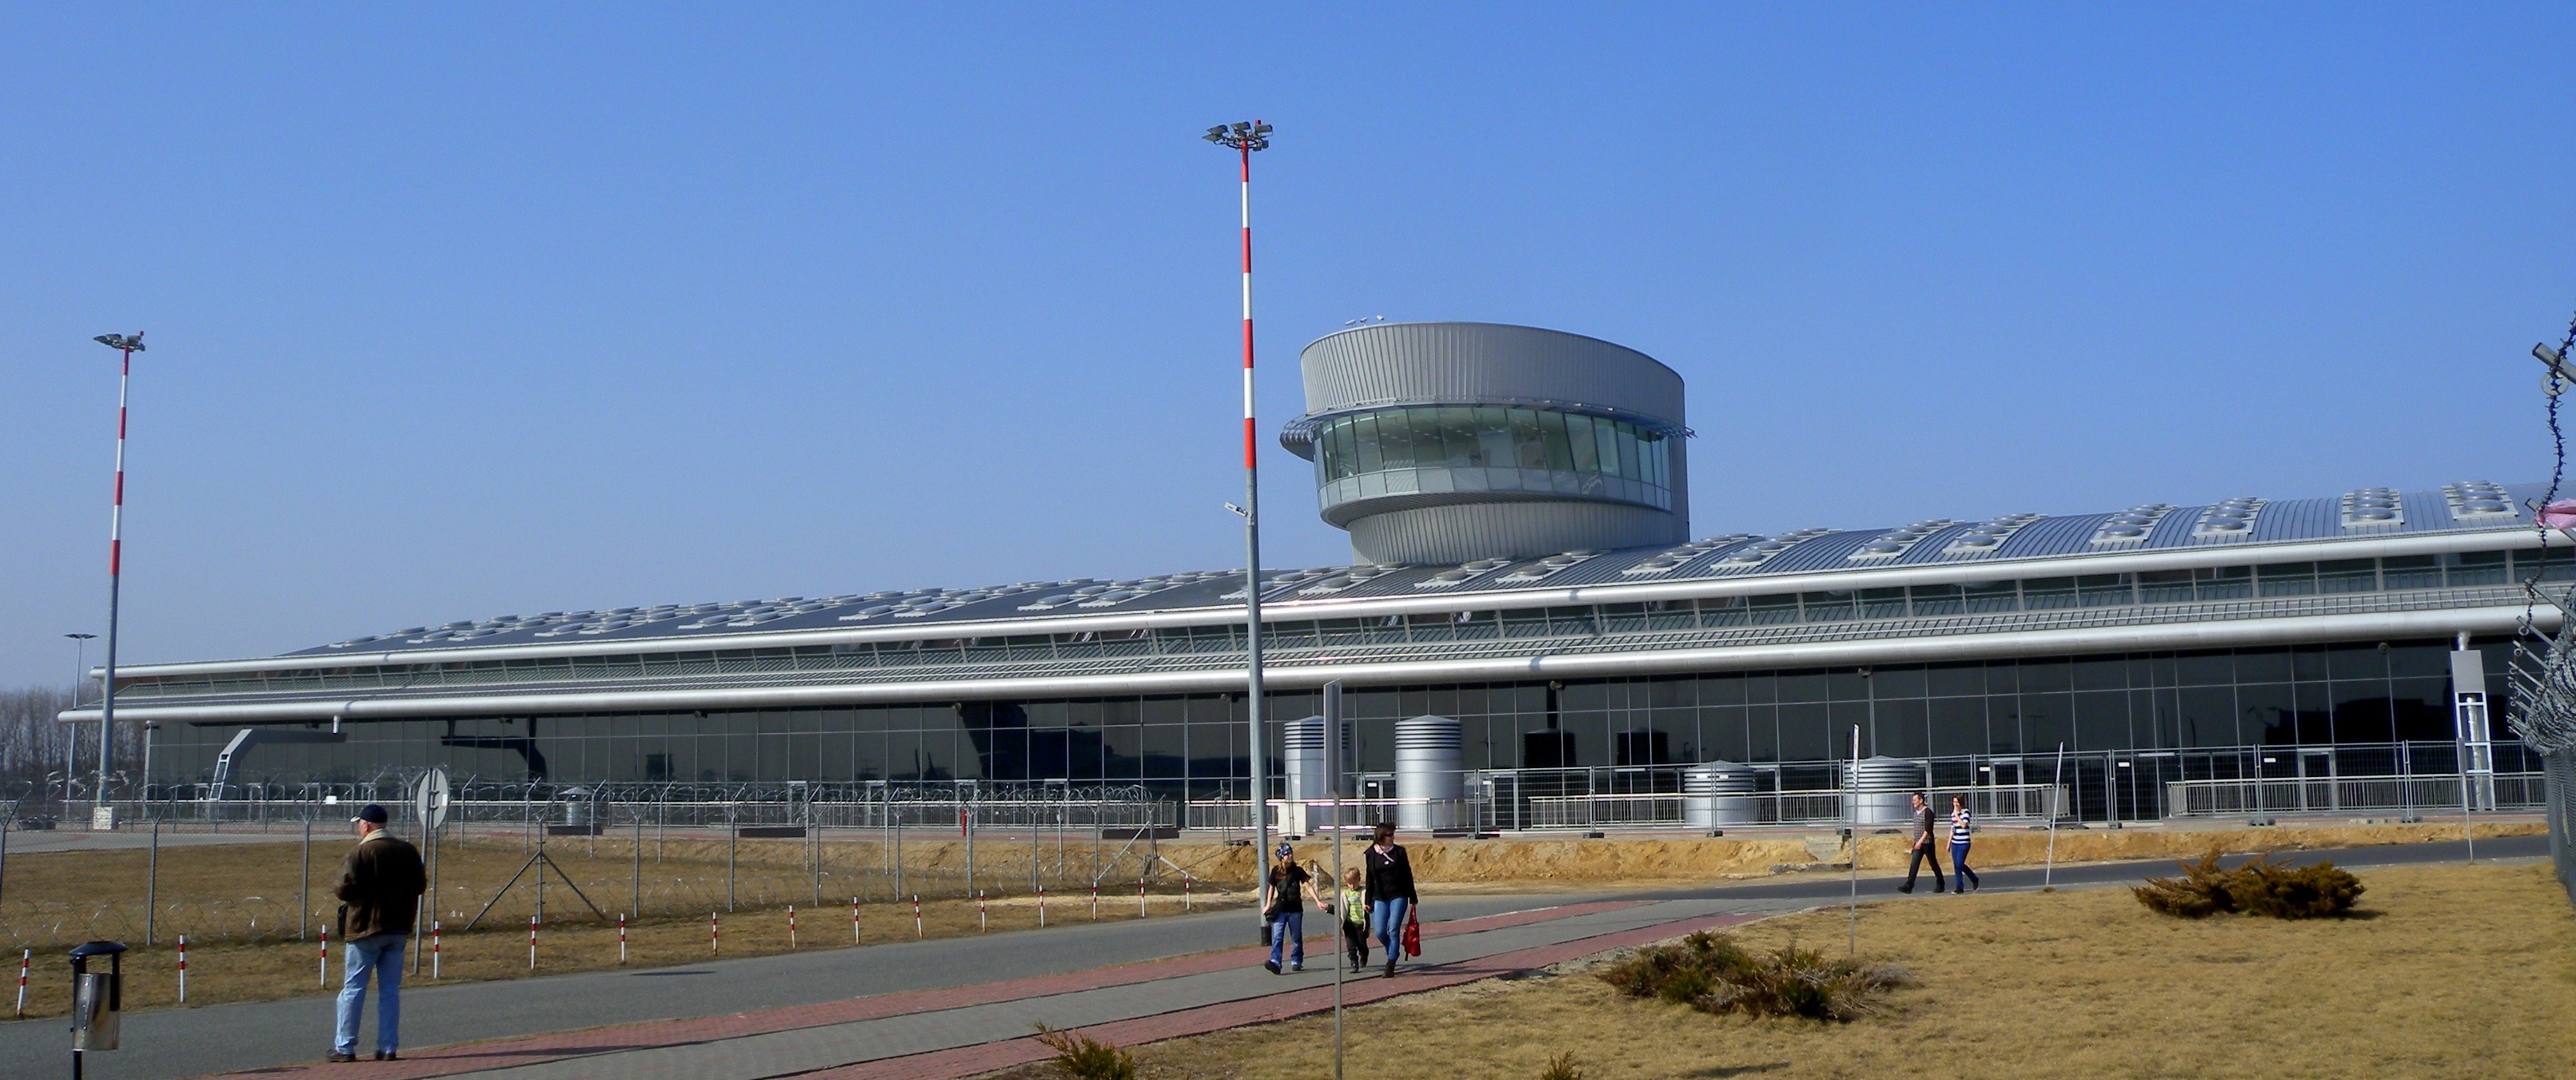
[
  {"x": 1667, "y": 561},
  {"x": 1759, "y": 552},
  {"x": 2130, "y": 526},
  {"x": 2229, "y": 520},
  {"x": 1986, "y": 537},
  {"x": 1889, "y": 545},
  {"x": 2478, "y": 500},
  {"x": 2372, "y": 508}
]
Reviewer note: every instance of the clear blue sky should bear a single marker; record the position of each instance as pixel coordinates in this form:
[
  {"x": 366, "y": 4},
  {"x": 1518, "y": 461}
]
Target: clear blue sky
[{"x": 481, "y": 309}]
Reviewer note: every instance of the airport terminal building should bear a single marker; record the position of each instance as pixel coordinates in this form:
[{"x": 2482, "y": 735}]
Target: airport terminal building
[{"x": 1524, "y": 571}]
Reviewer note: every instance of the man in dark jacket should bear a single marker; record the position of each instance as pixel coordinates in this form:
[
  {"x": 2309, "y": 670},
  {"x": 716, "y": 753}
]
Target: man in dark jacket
[
  {"x": 1923, "y": 851},
  {"x": 380, "y": 887}
]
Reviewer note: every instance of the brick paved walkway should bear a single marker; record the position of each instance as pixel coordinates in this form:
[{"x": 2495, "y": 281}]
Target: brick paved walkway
[{"x": 969, "y": 1029}]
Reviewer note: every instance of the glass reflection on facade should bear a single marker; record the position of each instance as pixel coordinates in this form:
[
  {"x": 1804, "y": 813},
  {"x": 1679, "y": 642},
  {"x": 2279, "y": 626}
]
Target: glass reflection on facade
[
  {"x": 2172, "y": 715},
  {"x": 1498, "y": 449}
]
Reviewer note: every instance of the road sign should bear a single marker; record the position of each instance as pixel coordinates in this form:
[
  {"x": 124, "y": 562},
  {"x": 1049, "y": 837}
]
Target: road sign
[{"x": 429, "y": 797}]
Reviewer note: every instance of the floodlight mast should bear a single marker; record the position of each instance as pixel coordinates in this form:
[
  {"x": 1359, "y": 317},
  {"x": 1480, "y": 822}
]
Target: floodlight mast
[
  {"x": 128, "y": 345},
  {"x": 1243, "y": 139}
]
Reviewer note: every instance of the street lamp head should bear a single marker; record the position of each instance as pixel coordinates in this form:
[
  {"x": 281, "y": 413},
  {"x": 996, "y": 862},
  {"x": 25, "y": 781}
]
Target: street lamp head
[
  {"x": 1246, "y": 136},
  {"x": 123, "y": 342},
  {"x": 80, "y": 637}
]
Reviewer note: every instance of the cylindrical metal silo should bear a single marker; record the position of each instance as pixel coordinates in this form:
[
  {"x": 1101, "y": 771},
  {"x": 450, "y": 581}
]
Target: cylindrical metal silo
[
  {"x": 1430, "y": 773},
  {"x": 1885, "y": 783},
  {"x": 1718, "y": 794},
  {"x": 1302, "y": 745}
]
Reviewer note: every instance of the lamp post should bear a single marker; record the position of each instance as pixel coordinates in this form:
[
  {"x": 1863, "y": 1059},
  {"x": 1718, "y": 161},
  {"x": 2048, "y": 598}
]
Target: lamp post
[
  {"x": 127, "y": 345},
  {"x": 1243, "y": 139},
  {"x": 71, "y": 739}
]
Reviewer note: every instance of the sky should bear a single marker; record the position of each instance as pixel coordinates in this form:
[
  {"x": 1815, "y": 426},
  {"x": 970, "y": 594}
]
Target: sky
[{"x": 465, "y": 310}]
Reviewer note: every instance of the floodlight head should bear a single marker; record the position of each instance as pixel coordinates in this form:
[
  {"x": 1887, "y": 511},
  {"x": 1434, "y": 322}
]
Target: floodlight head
[
  {"x": 132, "y": 343},
  {"x": 1246, "y": 136}
]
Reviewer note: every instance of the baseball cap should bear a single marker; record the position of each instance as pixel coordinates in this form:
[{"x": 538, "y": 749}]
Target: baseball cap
[
  {"x": 371, "y": 812},
  {"x": 1285, "y": 851}
]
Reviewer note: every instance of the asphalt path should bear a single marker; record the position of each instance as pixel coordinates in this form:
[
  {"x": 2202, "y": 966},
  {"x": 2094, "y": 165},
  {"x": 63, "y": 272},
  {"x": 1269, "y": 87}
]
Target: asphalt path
[{"x": 167, "y": 1044}]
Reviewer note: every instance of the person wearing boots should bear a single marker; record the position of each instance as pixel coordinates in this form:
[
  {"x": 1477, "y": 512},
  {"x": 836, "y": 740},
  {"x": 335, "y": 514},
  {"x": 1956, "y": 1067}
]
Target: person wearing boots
[
  {"x": 1923, "y": 849},
  {"x": 1392, "y": 902}
]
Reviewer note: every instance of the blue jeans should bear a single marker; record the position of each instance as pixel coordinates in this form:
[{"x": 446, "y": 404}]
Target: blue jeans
[
  {"x": 1288, "y": 930},
  {"x": 1959, "y": 865},
  {"x": 1387, "y": 916},
  {"x": 383, "y": 955}
]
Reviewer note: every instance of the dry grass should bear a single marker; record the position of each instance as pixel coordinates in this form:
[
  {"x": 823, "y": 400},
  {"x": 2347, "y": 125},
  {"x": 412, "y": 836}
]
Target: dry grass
[
  {"x": 2456, "y": 971},
  {"x": 238, "y": 904}
]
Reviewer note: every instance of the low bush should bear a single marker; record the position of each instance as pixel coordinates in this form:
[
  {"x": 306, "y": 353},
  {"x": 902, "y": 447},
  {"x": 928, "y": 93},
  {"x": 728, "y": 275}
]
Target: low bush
[
  {"x": 1561, "y": 1067},
  {"x": 1085, "y": 1058},
  {"x": 1711, "y": 973},
  {"x": 2260, "y": 887}
]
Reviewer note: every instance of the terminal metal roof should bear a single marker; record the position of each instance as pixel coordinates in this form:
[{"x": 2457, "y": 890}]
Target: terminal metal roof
[{"x": 2364, "y": 513}]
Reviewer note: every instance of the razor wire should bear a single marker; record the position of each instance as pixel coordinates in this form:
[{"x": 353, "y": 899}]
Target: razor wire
[{"x": 2543, "y": 669}]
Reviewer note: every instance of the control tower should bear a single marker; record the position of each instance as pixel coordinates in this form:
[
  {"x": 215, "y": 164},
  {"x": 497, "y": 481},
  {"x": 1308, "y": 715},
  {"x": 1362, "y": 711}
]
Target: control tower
[{"x": 1452, "y": 442}]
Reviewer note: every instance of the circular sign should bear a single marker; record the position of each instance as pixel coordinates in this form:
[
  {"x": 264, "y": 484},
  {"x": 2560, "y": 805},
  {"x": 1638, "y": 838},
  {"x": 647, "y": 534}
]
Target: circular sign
[{"x": 429, "y": 797}]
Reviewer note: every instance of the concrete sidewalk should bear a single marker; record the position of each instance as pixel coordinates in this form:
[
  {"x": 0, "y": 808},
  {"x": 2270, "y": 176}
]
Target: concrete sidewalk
[{"x": 968, "y": 1030}]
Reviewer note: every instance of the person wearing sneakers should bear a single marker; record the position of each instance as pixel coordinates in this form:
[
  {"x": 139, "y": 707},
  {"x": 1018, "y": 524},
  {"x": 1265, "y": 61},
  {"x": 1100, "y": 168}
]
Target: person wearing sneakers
[
  {"x": 1392, "y": 903},
  {"x": 1286, "y": 909},
  {"x": 1960, "y": 823},
  {"x": 380, "y": 886},
  {"x": 1355, "y": 916},
  {"x": 1923, "y": 850}
]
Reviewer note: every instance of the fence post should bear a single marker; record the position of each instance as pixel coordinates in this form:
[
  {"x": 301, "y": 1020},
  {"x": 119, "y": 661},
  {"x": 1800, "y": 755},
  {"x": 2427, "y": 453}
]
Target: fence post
[
  {"x": 304, "y": 892},
  {"x": 733, "y": 847},
  {"x": 152, "y": 888}
]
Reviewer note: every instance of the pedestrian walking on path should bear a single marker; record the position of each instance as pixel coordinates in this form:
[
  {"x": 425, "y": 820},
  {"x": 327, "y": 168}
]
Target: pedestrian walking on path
[
  {"x": 1961, "y": 824},
  {"x": 1923, "y": 850},
  {"x": 1355, "y": 917},
  {"x": 380, "y": 886},
  {"x": 1392, "y": 902},
  {"x": 1286, "y": 909}
]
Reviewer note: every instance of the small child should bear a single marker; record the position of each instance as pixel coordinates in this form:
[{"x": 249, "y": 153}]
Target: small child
[{"x": 1355, "y": 917}]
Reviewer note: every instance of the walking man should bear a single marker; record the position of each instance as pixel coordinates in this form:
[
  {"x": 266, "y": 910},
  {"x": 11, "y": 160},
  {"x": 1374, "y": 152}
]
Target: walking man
[
  {"x": 380, "y": 887},
  {"x": 1923, "y": 850}
]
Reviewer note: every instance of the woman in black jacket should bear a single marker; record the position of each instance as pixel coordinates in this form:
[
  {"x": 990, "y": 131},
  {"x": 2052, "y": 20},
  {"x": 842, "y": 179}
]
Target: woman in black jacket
[{"x": 1389, "y": 887}]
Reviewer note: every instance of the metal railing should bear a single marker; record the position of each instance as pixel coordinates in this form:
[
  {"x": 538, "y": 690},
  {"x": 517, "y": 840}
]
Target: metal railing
[{"x": 2406, "y": 795}]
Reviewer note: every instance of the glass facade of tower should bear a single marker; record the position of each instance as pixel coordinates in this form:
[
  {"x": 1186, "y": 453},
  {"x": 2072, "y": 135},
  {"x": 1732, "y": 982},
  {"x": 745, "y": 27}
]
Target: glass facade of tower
[{"x": 1455, "y": 448}]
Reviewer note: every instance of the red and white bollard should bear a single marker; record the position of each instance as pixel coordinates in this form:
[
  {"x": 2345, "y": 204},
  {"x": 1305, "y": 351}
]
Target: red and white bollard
[
  {"x": 916, "y": 915},
  {"x": 1041, "y": 907},
  {"x": 791, "y": 928},
  {"x": 322, "y": 960},
  {"x": 433, "y": 949},
  {"x": 621, "y": 937},
  {"x": 1095, "y": 900},
  {"x": 980, "y": 925},
  {"x": 854, "y": 920},
  {"x": 714, "y": 935},
  {"x": 532, "y": 943},
  {"x": 23, "y": 955},
  {"x": 183, "y": 969},
  {"x": 1140, "y": 898},
  {"x": 1185, "y": 894}
]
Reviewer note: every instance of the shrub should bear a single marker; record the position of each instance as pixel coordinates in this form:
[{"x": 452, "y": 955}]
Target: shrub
[
  {"x": 1085, "y": 1058},
  {"x": 1561, "y": 1067},
  {"x": 1709, "y": 972},
  {"x": 2260, "y": 887}
]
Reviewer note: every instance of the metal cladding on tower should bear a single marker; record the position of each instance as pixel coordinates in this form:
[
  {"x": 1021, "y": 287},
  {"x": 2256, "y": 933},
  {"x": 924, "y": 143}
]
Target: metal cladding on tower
[{"x": 1453, "y": 442}]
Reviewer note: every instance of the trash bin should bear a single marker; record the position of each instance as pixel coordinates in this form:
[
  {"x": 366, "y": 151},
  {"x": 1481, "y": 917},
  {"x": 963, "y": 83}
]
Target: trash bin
[{"x": 97, "y": 998}]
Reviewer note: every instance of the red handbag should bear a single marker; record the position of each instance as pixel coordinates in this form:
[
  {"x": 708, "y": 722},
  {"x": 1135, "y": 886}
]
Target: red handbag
[{"x": 1412, "y": 939}]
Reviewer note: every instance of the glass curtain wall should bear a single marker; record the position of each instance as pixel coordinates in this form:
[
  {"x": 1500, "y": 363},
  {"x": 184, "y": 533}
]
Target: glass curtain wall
[
  {"x": 2316, "y": 696},
  {"x": 1469, "y": 437}
]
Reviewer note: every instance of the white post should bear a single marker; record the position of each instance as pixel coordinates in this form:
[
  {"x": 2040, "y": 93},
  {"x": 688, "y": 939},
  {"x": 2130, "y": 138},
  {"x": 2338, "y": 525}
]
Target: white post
[
  {"x": 1851, "y": 828},
  {"x": 2056, "y": 791}
]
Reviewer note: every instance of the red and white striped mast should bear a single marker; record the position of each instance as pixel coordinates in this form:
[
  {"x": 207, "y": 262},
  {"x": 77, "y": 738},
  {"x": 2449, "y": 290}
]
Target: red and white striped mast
[
  {"x": 127, "y": 345},
  {"x": 1244, "y": 138}
]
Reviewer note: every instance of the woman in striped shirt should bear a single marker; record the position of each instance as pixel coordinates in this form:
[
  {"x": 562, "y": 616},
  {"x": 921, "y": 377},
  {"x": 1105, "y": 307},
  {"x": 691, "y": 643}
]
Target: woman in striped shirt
[{"x": 1960, "y": 823}]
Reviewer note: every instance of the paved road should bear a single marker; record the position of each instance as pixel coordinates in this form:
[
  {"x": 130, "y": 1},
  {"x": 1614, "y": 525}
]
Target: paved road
[{"x": 171, "y": 1043}]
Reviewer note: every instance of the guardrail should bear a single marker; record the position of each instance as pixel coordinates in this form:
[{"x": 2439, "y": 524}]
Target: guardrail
[{"x": 2294, "y": 795}]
